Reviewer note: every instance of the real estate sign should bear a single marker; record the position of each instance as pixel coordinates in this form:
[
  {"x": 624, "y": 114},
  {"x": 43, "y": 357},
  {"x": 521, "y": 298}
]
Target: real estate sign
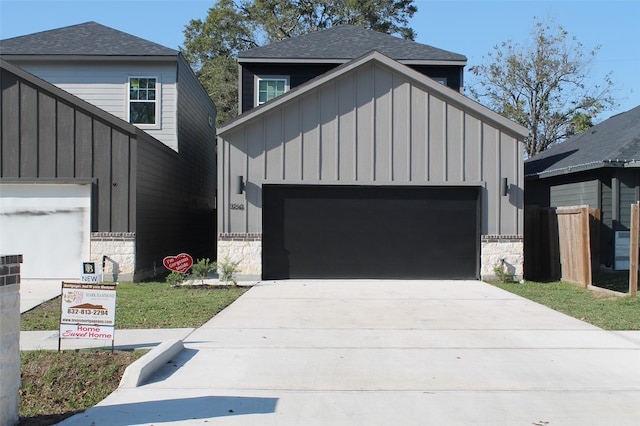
[{"x": 88, "y": 311}]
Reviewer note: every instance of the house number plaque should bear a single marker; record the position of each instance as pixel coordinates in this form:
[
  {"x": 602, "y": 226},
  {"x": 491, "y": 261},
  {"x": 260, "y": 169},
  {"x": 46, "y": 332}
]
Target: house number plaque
[{"x": 237, "y": 206}]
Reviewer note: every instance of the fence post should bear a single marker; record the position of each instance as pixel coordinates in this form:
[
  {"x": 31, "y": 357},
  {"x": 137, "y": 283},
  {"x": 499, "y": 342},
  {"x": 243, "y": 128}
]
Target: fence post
[{"x": 633, "y": 249}]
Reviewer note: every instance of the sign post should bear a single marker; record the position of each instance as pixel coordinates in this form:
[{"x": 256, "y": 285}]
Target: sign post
[{"x": 88, "y": 309}]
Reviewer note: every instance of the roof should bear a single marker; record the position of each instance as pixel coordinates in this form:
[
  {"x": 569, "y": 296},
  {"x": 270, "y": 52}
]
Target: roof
[
  {"x": 88, "y": 39},
  {"x": 417, "y": 78},
  {"x": 346, "y": 42},
  {"x": 614, "y": 142}
]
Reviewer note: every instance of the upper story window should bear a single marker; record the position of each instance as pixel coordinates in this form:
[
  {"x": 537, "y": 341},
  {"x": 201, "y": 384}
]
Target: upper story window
[
  {"x": 270, "y": 87},
  {"x": 143, "y": 100}
]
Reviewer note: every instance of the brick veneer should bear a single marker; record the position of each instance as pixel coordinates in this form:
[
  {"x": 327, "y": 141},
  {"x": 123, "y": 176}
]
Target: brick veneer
[{"x": 9, "y": 338}]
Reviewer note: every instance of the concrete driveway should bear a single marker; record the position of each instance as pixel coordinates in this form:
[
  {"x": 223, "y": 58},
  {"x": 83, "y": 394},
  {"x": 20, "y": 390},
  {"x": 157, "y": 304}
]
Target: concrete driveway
[{"x": 378, "y": 352}]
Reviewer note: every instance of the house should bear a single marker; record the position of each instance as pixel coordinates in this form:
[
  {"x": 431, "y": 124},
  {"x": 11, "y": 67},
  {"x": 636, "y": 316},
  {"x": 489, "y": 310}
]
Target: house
[
  {"x": 108, "y": 153},
  {"x": 269, "y": 71},
  {"x": 369, "y": 170},
  {"x": 598, "y": 168}
]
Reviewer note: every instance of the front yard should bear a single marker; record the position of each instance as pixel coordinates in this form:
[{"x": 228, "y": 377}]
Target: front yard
[{"x": 597, "y": 307}]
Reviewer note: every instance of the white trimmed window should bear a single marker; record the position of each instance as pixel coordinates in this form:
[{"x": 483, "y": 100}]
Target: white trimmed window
[
  {"x": 143, "y": 100},
  {"x": 441, "y": 80},
  {"x": 270, "y": 87}
]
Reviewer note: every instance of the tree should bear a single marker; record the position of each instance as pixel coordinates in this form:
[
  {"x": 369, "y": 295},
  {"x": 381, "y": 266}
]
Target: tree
[
  {"x": 212, "y": 46},
  {"x": 544, "y": 86}
]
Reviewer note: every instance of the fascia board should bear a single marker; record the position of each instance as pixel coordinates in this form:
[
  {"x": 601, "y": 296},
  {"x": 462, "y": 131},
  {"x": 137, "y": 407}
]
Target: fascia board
[
  {"x": 438, "y": 62},
  {"x": 90, "y": 58}
]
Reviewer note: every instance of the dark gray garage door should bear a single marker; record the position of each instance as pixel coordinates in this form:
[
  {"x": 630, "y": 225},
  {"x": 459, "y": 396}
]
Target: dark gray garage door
[{"x": 370, "y": 232}]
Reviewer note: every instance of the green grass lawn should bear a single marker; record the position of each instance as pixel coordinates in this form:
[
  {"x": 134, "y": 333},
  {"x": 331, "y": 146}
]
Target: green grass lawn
[
  {"x": 148, "y": 305},
  {"x": 599, "y": 308},
  {"x": 56, "y": 385}
]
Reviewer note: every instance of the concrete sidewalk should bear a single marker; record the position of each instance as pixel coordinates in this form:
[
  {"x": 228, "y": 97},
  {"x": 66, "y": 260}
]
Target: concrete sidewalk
[
  {"x": 124, "y": 339},
  {"x": 35, "y": 292},
  {"x": 387, "y": 352}
]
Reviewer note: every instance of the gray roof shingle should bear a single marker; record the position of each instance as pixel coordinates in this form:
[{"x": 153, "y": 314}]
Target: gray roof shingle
[
  {"x": 615, "y": 140},
  {"x": 346, "y": 42},
  {"x": 88, "y": 39}
]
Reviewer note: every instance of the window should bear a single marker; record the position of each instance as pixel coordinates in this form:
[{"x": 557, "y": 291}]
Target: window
[
  {"x": 270, "y": 87},
  {"x": 143, "y": 100}
]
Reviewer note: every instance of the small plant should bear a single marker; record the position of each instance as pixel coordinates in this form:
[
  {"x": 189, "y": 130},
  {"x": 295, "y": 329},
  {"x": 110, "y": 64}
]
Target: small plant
[
  {"x": 176, "y": 278},
  {"x": 226, "y": 269},
  {"x": 203, "y": 268},
  {"x": 502, "y": 272}
]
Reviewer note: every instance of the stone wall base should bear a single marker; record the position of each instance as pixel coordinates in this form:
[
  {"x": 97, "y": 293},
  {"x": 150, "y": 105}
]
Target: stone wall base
[
  {"x": 9, "y": 338},
  {"x": 120, "y": 251},
  {"x": 495, "y": 250},
  {"x": 245, "y": 249},
  {"x": 502, "y": 249}
]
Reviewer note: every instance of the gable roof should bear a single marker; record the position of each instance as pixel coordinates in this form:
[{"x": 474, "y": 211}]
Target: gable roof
[
  {"x": 88, "y": 39},
  {"x": 417, "y": 78},
  {"x": 346, "y": 42},
  {"x": 614, "y": 142}
]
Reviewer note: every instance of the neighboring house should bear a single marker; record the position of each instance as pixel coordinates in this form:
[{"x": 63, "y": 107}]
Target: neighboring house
[
  {"x": 599, "y": 168},
  {"x": 136, "y": 160},
  {"x": 371, "y": 170},
  {"x": 269, "y": 71}
]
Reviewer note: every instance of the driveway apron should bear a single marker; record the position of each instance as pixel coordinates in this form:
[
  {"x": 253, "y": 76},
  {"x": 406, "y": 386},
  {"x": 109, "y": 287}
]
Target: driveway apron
[{"x": 380, "y": 352}]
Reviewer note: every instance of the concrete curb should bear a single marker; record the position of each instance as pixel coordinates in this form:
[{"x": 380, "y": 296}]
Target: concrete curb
[{"x": 144, "y": 367}]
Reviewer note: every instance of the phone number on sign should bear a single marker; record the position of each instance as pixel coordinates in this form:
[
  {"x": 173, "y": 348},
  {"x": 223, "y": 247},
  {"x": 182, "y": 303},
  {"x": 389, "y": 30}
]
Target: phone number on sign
[{"x": 74, "y": 311}]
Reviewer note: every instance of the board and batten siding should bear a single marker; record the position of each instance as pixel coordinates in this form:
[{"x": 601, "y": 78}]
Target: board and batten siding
[
  {"x": 48, "y": 139},
  {"x": 105, "y": 85},
  {"x": 372, "y": 125}
]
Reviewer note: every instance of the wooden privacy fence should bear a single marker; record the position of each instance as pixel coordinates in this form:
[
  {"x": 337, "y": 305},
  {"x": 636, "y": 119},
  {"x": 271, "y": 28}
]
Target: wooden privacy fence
[
  {"x": 574, "y": 241},
  {"x": 561, "y": 244}
]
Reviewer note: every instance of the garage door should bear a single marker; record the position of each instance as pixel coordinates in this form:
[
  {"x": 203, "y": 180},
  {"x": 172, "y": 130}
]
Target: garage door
[
  {"x": 49, "y": 224},
  {"x": 370, "y": 232}
]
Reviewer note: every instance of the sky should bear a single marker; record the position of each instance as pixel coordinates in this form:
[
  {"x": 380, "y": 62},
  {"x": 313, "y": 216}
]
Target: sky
[{"x": 468, "y": 27}]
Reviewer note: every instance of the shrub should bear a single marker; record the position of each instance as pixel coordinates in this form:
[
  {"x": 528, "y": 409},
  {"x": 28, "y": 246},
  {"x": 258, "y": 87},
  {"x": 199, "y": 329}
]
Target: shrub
[
  {"x": 176, "y": 278},
  {"x": 203, "y": 268},
  {"x": 226, "y": 269}
]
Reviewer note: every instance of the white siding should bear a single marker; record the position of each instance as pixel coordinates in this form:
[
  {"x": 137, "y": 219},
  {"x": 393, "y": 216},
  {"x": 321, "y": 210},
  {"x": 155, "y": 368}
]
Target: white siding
[{"x": 105, "y": 86}]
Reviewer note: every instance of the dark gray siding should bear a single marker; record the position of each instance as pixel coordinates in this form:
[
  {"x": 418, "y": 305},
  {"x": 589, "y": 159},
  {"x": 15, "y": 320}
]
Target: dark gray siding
[
  {"x": 298, "y": 74},
  {"x": 606, "y": 224},
  {"x": 452, "y": 73},
  {"x": 48, "y": 136},
  {"x": 176, "y": 190},
  {"x": 301, "y": 73},
  {"x": 575, "y": 194},
  {"x": 628, "y": 195}
]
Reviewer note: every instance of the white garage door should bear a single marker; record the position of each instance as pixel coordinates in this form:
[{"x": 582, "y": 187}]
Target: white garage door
[{"x": 49, "y": 224}]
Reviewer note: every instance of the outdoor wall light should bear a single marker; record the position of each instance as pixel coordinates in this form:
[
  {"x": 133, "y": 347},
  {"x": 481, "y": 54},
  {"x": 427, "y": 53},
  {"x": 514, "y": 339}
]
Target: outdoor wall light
[
  {"x": 239, "y": 185},
  {"x": 504, "y": 186}
]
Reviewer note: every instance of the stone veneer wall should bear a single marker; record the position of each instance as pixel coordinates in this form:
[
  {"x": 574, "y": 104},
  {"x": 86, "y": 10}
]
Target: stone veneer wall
[
  {"x": 495, "y": 249},
  {"x": 9, "y": 338},
  {"x": 245, "y": 249},
  {"x": 120, "y": 249}
]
